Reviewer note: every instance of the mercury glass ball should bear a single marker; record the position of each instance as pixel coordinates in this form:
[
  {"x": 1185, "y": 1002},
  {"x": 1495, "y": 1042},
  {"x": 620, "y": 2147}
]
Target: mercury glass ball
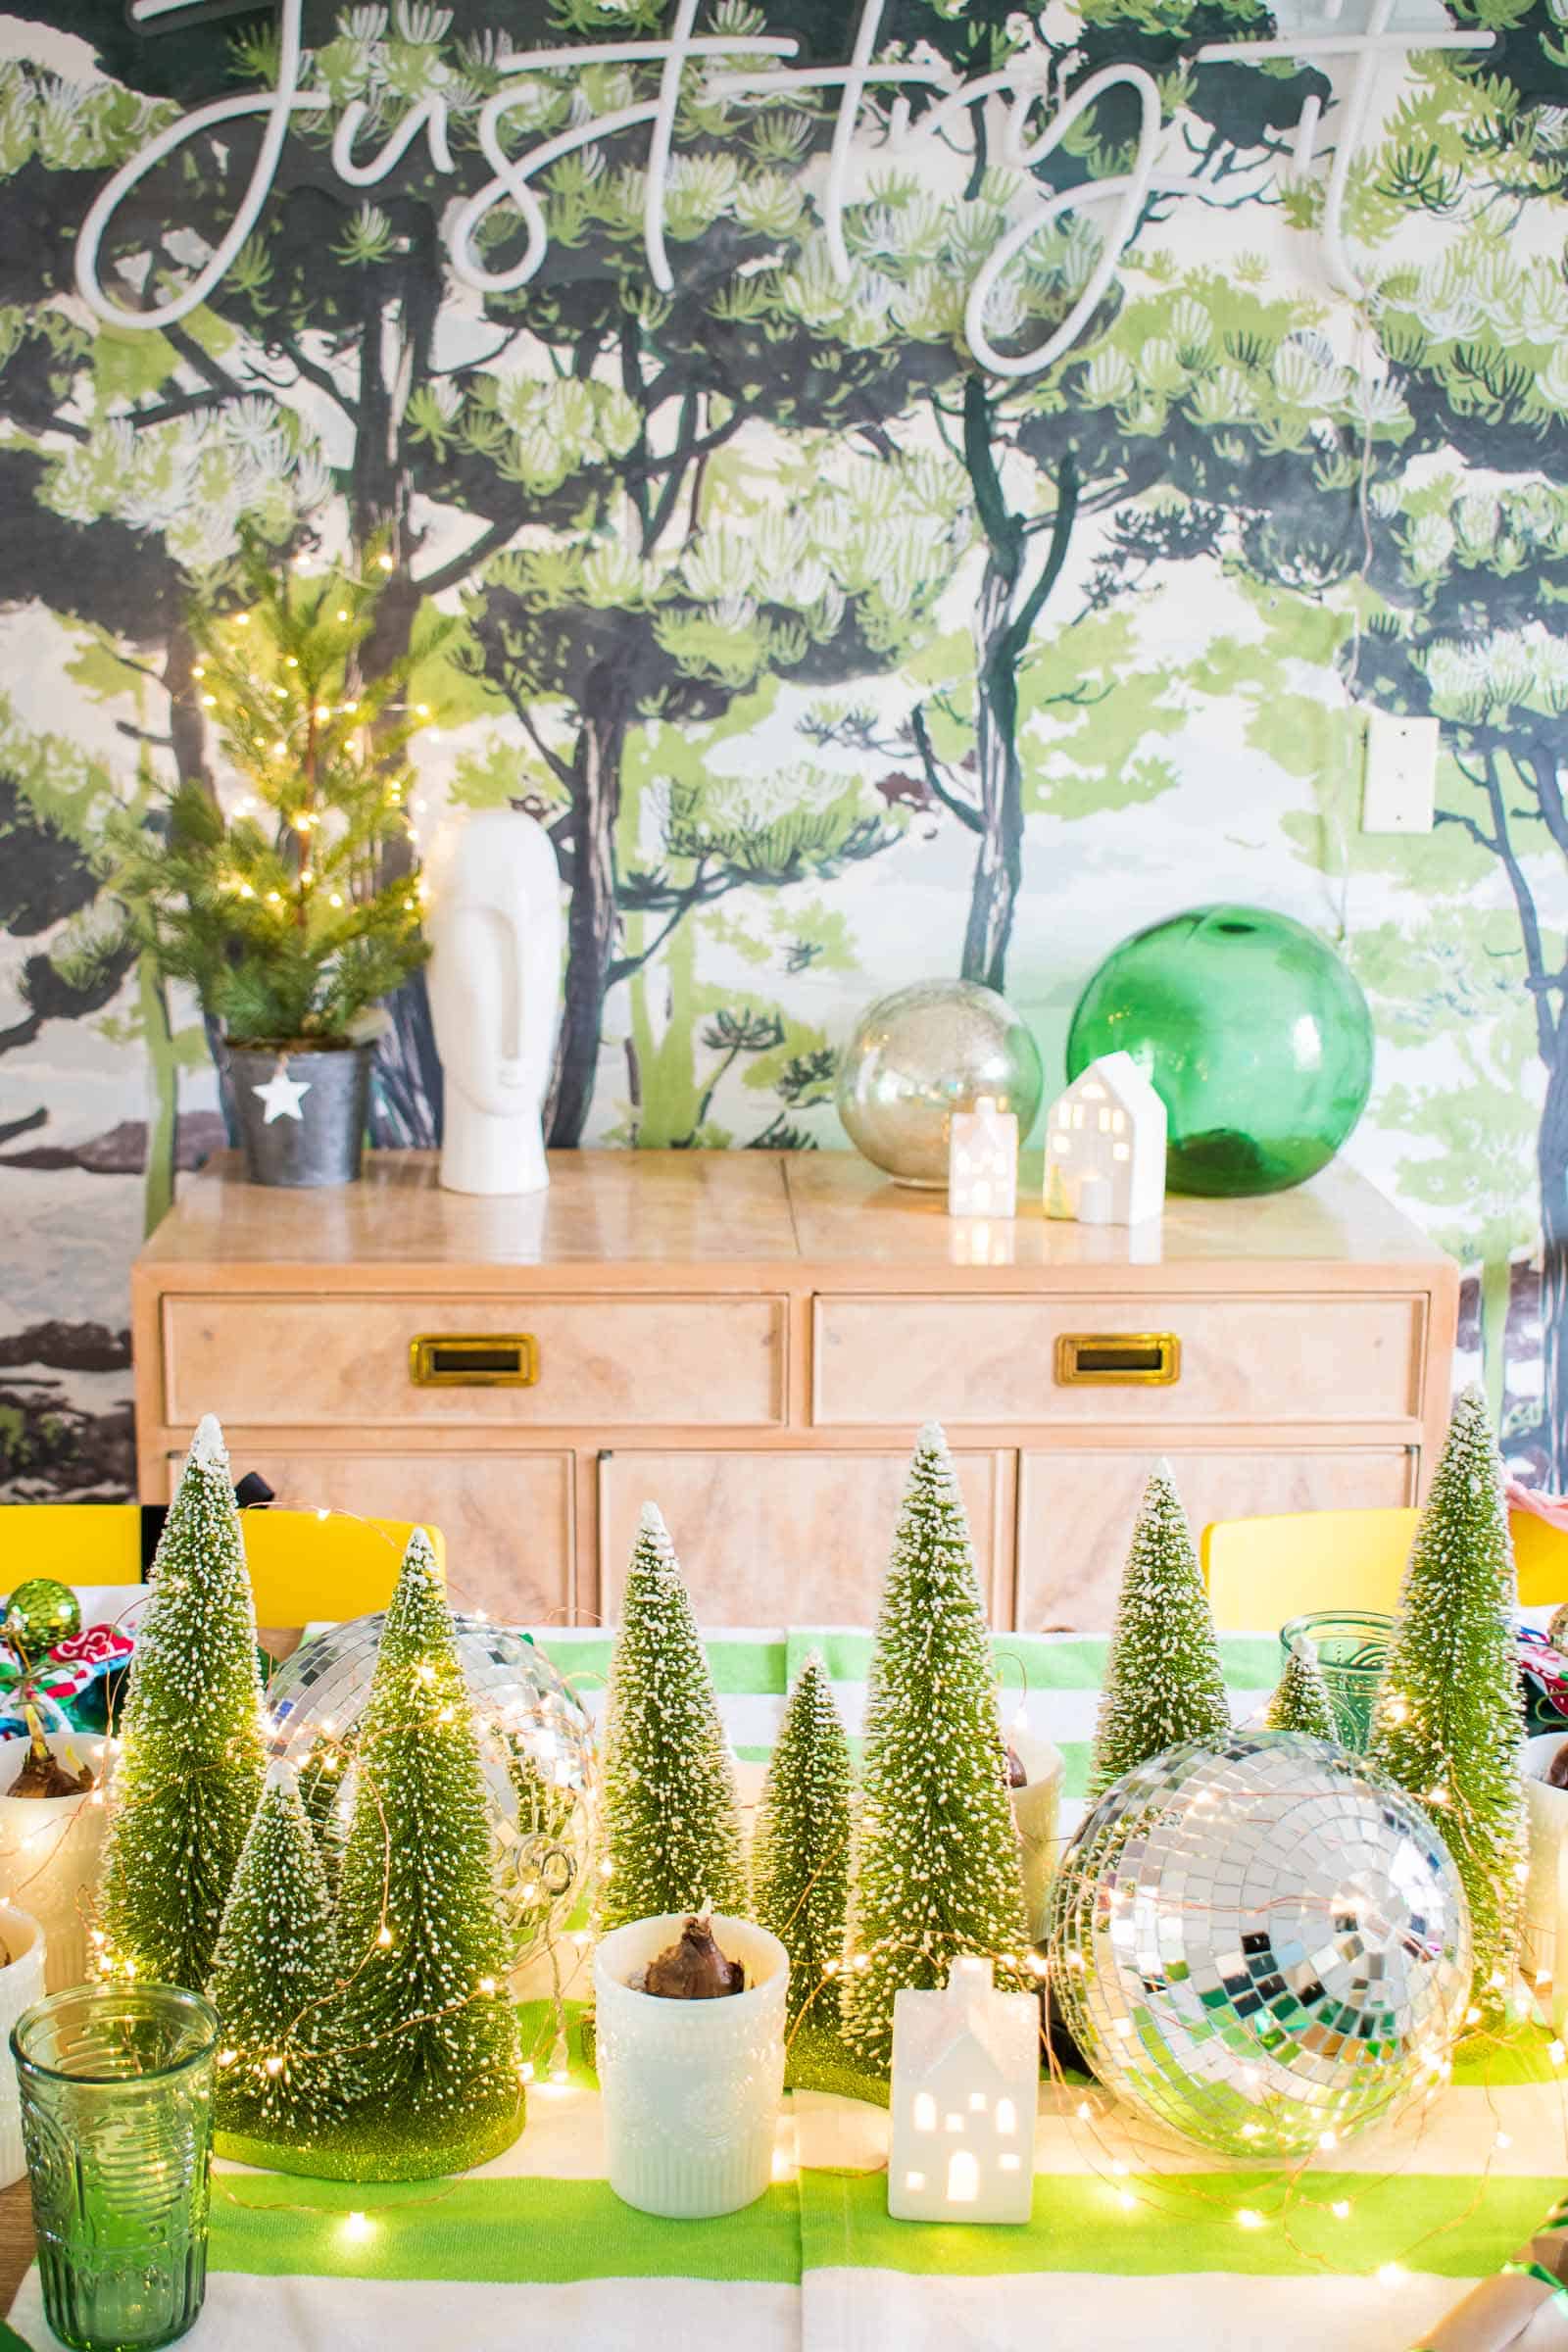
[
  {"x": 536, "y": 1746},
  {"x": 1255, "y": 1033},
  {"x": 1259, "y": 1943},
  {"x": 924, "y": 1052}
]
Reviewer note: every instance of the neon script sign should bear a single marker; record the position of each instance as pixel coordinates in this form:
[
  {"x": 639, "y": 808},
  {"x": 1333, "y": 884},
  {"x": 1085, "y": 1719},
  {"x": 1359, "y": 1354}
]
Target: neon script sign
[{"x": 1035, "y": 118}]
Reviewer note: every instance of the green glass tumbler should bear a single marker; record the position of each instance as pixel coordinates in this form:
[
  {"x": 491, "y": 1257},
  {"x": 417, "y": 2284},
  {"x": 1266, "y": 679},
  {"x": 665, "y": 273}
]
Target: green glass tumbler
[
  {"x": 1351, "y": 1647},
  {"x": 116, "y": 2119},
  {"x": 1251, "y": 1030}
]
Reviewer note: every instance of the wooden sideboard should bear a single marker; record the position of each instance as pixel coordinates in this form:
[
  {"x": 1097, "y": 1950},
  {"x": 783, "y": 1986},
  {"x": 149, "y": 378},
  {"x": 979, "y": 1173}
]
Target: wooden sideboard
[{"x": 752, "y": 1340}]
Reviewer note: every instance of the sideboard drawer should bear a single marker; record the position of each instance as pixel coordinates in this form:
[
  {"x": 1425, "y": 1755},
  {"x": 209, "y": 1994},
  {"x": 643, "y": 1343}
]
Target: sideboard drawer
[
  {"x": 1322, "y": 1357},
  {"x": 286, "y": 1362},
  {"x": 507, "y": 1518}
]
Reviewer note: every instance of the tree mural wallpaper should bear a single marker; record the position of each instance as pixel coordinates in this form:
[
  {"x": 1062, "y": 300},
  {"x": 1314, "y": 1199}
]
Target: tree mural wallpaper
[{"x": 913, "y": 491}]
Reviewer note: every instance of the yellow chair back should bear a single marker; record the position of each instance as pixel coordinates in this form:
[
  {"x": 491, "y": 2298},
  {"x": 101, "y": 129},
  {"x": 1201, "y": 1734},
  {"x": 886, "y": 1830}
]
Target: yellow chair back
[
  {"x": 1262, "y": 1572},
  {"x": 304, "y": 1566},
  {"x": 76, "y": 1542},
  {"x": 1541, "y": 1555},
  {"x": 308, "y": 1565}
]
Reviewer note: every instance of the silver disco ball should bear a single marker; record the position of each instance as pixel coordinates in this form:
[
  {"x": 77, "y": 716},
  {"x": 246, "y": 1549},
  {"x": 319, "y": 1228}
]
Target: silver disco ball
[
  {"x": 915, "y": 1058},
  {"x": 1263, "y": 1945},
  {"x": 536, "y": 1744}
]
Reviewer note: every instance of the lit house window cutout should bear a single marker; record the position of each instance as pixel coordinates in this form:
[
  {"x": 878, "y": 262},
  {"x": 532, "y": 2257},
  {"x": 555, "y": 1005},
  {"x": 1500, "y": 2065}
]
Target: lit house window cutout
[
  {"x": 969, "y": 2056},
  {"x": 1107, "y": 1168}
]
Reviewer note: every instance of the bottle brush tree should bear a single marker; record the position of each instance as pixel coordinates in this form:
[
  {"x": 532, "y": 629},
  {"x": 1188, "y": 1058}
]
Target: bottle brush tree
[
  {"x": 670, "y": 1817},
  {"x": 425, "y": 2019},
  {"x": 936, "y": 1870},
  {"x": 192, "y": 1747},
  {"x": 293, "y": 905},
  {"x": 1447, "y": 1723},
  {"x": 1300, "y": 1700},
  {"x": 1163, "y": 1680},
  {"x": 800, "y": 1848},
  {"x": 274, "y": 1982}
]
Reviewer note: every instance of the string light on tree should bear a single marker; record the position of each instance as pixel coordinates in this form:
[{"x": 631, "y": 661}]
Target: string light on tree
[
  {"x": 1447, "y": 1723},
  {"x": 936, "y": 1870},
  {"x": 190, "y": 1768},
  {"x": 275, "y": 1981},
  {"x": 1163, "y": 1678},
  {"x": 801, "y": 1849},
  {"x": 436, "y": 2059},
  {"x": 667, "y": 1801},
  {"x": 287, "y": 915}
]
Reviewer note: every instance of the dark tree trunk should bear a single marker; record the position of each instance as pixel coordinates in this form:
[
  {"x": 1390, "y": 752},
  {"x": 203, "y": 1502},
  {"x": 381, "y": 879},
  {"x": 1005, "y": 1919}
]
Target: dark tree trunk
[
  {"x": 999, "y": 861},
  {"x": 187, "y": 733},
  {"x": 1553, "y": 1161},
  {"x": 187, "y": 729},
  {"x": 394, "y": 340},
  {"x": 1003, "y": 623},
  {"x": 591, "y": 916}
]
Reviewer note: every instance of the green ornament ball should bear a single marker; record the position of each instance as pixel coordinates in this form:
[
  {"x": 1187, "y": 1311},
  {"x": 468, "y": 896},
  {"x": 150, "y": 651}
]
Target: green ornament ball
[
  {"x": 40, "y": 1613},
  {"x": 1252, "y": 1031}
]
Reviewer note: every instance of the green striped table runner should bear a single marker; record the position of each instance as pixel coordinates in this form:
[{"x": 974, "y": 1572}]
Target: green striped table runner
[{"x": 1131, "y": 2246}]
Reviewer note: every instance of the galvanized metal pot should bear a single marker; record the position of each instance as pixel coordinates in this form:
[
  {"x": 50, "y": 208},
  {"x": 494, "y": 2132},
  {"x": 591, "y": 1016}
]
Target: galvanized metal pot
[{"x": 302, "y": 1116}]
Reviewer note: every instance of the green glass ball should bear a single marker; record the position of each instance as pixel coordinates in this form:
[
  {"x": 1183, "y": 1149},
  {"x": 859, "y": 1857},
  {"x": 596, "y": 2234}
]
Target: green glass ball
[
  {"x": 40, "y": 1613},
  {"x": 1254, "y": 1032}
]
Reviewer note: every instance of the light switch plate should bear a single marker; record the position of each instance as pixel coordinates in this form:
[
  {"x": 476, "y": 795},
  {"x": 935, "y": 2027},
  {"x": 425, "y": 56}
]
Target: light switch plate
[{"x": 1400, "y": 792}]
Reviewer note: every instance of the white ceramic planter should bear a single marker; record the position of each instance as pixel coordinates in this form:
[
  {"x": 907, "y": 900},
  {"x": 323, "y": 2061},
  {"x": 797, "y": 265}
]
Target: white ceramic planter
[
  {"x": 1545, "y": 1952},
  {"x": 691, "y": 2089},
  {"x": 50, "y": 1851},
  {"x": 1036, "y": 1808},
  {"x": 21, "y": 1984}
]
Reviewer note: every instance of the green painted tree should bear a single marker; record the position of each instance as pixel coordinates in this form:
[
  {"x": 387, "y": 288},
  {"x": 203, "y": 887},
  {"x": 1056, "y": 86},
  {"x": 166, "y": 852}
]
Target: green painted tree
[
  {"x": 1300, "y": 1700},
  {"x": 1164, "y": 1681},
  {"x": 801, "y": 1852},
  {"x": 274, "y": 1981},
  {"x": 671, "y": 1820},
  {"x": 190, "y": 1774},
  {"x": 936, "y": 1870},
  {"x": 1447, "y": 1723},
  {"x": 426, "y": 2018}
]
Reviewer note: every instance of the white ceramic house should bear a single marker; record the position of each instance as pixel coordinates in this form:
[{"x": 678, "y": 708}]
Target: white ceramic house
[
  {"x": 1105, "y": 1147},
  {"x": 966, "y": 2066}
]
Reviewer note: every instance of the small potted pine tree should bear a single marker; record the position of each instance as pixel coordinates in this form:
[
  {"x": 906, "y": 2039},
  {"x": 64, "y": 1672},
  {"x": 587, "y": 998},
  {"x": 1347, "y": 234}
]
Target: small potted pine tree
[{"x": 291, "y": 903}]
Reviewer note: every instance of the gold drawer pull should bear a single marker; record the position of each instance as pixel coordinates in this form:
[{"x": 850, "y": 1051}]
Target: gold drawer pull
[
  {"x": 473, "y": 1360},
  {"x": 1118, "y": 1359}
]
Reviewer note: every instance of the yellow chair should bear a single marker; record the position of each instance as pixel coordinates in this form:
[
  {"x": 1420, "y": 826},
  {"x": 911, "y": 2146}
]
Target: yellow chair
[
  {"x": 310, "y": 1565},
  {"x": 79, "y": 1542},
  {"x": 1262, "y": 1572},
  {"x": 305, "y": 1565}
]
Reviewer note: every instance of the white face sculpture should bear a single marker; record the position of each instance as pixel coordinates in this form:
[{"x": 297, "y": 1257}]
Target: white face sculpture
[{"x": 494, "y": 924}]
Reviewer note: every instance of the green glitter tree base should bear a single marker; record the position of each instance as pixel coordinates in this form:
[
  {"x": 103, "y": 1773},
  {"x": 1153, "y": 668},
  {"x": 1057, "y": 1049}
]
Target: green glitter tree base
[
  {"x": 386, "y": 2151},
  {"x": 816, "y": 2059}
]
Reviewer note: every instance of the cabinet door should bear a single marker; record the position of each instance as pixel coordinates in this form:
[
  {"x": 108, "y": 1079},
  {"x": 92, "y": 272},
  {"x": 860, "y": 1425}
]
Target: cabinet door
[
  {"x": 1076, "y": 1511},
  {"x": 506, "y": 1517},
  {"x": 787, "y": 1539}
]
